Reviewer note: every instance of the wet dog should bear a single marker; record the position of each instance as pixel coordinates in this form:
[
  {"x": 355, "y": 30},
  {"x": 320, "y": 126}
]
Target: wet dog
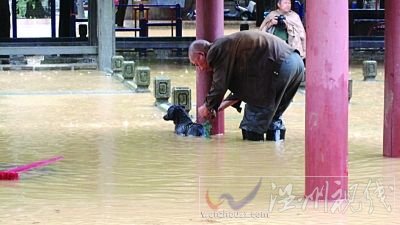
[{"x": 183, "y": 124}]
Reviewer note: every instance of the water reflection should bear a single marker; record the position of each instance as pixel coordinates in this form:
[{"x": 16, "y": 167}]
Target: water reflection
[{"x": 124, "y": 165}]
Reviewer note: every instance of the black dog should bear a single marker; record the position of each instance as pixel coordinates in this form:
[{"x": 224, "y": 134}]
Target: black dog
[{"x": 183, "y": 124}]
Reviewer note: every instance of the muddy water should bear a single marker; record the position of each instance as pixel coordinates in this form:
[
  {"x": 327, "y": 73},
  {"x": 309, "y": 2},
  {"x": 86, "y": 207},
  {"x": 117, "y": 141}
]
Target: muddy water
[{"x": 124, "y": 165}]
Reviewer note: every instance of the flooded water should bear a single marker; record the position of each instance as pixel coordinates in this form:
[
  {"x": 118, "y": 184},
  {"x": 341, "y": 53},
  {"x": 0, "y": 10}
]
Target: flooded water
[{"x": 124, "y": 165}]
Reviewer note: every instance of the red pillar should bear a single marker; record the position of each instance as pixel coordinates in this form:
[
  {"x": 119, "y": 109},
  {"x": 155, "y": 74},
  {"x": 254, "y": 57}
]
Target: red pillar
[
  {"x": 209, "y": 26},
  {"x": 326, "y": 99},
  {"x": 391, "y": 130}
]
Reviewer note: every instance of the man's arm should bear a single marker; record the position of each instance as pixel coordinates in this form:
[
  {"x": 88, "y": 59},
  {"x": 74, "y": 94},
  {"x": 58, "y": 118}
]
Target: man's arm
[
  {"x": 296, "y": 30},
  {"x": 231, "y": 100},
  {"x": 269, "y": 21},
  {"x": 226, "y": 103},
  {"x": 221, "y": 59}
]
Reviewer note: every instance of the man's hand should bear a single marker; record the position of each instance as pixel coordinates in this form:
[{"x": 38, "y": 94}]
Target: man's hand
[
  {"x": 274, "y": 21},
  {"x": 226, "y": 103},
  {"x": 205, "y": 113}
]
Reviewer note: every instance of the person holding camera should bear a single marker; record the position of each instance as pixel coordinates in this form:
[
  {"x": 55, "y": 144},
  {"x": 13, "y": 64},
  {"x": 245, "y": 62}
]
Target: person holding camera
[{"x": 286, "y": 24}]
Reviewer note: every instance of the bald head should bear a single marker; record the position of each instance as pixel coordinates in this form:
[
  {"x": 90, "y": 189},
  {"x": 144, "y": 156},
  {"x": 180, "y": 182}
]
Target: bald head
[
  {"x": 198, "y": 54},
  {"x": 199, "y": 46}
]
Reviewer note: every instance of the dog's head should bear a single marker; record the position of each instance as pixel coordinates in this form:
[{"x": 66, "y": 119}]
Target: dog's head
[{"x": 177, "y": 114}]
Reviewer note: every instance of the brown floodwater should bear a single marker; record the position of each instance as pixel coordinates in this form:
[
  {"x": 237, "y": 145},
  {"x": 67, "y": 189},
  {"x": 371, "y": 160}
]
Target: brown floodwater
[{"x": 124, "y": 165}]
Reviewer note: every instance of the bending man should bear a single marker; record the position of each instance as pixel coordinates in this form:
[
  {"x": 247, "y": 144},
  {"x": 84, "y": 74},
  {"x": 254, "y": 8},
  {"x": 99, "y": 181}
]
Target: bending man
[{"x": 259, "y": 68}]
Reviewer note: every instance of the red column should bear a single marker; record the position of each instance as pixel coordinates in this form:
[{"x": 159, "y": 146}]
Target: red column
[
  {"x": 391, "y": 130},
  {"x": 209, "y": 26},
  {"x": 326, "y": 99}
]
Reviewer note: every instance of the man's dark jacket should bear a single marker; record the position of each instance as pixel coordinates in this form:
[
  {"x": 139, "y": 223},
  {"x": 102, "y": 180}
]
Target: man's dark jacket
[{"x": 247, "y": 63}]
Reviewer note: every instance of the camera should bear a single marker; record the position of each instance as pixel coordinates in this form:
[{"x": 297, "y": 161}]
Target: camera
[{"x": 281, "y": 22}]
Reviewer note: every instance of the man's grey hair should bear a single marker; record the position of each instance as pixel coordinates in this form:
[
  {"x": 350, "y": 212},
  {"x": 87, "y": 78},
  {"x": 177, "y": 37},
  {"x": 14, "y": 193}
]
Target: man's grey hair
[{"x": 199, "y": 46}]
